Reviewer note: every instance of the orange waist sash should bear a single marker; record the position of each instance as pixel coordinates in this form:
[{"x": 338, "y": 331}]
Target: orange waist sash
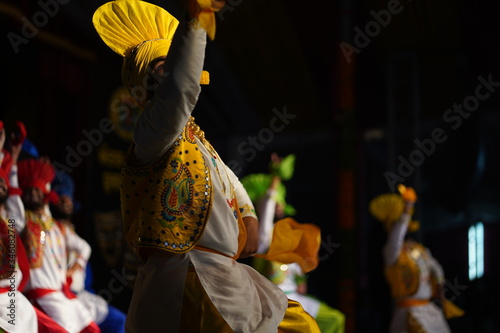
[{"x": 410, "y": 302}]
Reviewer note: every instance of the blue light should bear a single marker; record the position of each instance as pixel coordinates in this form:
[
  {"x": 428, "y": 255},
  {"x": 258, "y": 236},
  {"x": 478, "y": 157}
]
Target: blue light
[
  {"x": 480, "y": 249},
  {"x": 476, "y": 251},
  {"x": 472, "y": 253}
]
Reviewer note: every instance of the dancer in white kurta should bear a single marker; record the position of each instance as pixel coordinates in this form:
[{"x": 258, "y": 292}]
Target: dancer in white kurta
[
  {"x": 414, "y": 275},
  {"x": 47, "y": 286},
  {"x": 243, "y": 297},
  {"x": 185, "y": 212},
  {"x": 17, "y": 314},
  {"x": 47, "y": 243},
  {"x": 108, "y": 318},
  {"x": 417, "y": 307}
]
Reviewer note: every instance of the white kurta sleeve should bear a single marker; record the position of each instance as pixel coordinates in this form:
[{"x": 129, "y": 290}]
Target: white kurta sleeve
[
  {"x": 15, "y": 206},
  {"x": 77, "y": 244},
  {"x": 435, "y": 268},
  {"x": 174, "y": 98},
  {"x": 159, "y": 285},
  {"x": 244, "y": 202},
  {"x": 395, "y": 240},
  {"x": 266, "y": 209}
]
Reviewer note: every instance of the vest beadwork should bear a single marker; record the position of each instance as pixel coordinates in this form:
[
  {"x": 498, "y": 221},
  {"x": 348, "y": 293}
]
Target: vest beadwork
[{"x": 166, "y": 204}]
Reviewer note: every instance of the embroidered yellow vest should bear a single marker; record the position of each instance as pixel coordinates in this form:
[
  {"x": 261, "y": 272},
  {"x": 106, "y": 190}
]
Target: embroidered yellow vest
[
  {"x": 166, "y": 204},
  {"x": 403, "y": 277}
]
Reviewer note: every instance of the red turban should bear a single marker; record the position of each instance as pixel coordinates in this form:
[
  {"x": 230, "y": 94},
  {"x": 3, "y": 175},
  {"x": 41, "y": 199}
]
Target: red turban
[{"x": 35, "y": 173}]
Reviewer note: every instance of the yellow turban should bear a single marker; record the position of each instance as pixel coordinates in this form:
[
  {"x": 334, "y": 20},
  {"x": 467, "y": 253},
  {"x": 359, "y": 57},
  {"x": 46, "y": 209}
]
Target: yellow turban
[
  {"x": 140, "y": 32},
  {"x": 387, "y": 208}
]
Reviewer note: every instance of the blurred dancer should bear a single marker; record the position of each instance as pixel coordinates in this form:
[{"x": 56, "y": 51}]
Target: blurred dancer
[
  {"x": 47, "y": 243},
  {"x": 107, "y": 317},
  {"x": 268, "y": 193},
  {"x": 413, "y": 274},
  {"x": 18, "y": 314}
]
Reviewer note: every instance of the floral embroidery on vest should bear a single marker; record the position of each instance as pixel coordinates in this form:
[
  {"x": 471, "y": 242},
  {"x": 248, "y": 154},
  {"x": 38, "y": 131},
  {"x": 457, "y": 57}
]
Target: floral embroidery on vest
[{"x": 166, "y": 204}]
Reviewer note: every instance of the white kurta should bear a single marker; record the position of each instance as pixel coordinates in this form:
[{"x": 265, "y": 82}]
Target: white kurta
[
  {"x": 429, "y": 316},
  {"x": 71, "y": 314},
  {"x": 95, "y": 304},
  {"x": 246, "y": 300}
]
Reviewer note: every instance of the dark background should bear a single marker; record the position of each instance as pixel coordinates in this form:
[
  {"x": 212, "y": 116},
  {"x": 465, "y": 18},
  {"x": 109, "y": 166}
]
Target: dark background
[{"x": 353, "y": 122}]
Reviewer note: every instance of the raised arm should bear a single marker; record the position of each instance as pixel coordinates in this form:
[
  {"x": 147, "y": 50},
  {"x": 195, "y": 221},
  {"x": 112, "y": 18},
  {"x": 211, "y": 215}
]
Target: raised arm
[
  {"x": 266, "y": 208},
  {"x": 175, "y": 97},
  {"x": 396, "y": 236},
  {"x": 79, "y": 246},
  {"x": 14, "y": 202}
]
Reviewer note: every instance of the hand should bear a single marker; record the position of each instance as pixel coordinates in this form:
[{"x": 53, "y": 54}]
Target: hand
[
  {"x": 73, "y": 269},
  {"x": 196, "y": 6},
  {"x": 218, "y": 5},
  {"x": 252, "y": 244},
  {"x": 275, "y": 182},
  {"x": 407, "y": 193},
  {"x": 275, "y": 163},
  {"x": 302, "y": 288},
  {"x": 275, "y": 158},
  {"x": 440, "y": 292},
  {"x": 409, "y": 206},
  {"x": 15, "y": 151}
]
